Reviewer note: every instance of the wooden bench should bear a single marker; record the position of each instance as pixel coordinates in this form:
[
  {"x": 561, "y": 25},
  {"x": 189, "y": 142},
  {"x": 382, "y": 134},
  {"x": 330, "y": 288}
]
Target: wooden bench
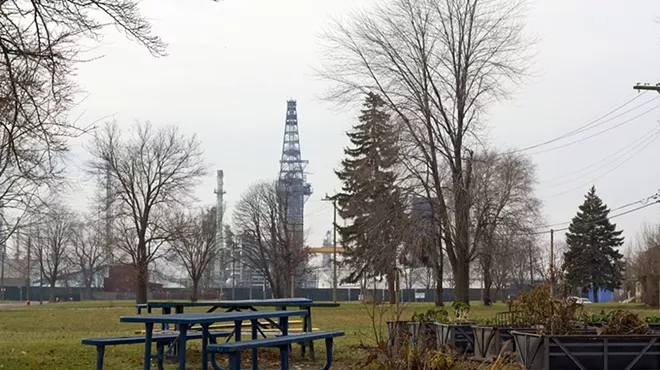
[
  {"x": 233, "y": 349},
  {"x": 160, "y": 339}
]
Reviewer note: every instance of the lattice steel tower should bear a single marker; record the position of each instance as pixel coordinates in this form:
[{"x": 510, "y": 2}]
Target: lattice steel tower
[{"x": 292, "y": 181}]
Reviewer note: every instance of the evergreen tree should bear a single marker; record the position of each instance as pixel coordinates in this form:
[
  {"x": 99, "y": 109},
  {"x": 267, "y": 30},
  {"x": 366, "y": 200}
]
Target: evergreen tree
[
  {"x": 592, "y": 260},
  {"x": 370, "y": 199}
]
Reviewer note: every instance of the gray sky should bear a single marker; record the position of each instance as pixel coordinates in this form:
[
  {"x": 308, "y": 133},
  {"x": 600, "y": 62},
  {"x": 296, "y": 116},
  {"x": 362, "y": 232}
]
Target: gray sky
[{"x": 233, "y": 64}]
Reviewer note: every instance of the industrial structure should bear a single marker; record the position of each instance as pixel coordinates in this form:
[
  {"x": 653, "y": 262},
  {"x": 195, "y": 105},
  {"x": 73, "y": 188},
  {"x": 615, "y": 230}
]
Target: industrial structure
[
  {"x": 294, "y": 190},
  {"x": 292, "y": 183},
  {"x": 219, "y": 265}
]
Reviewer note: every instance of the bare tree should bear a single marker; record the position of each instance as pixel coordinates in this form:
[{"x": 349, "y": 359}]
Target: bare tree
[
  {"x": 503, "y": 202},
  {"x": 153, "y": 171},
  {"x": 645, "y": 263},
  {"x": 194, "y": 243},
  {"x": 268, "y": 244},
  {"x": 88, "y": 253},
  {"x": 54, "y": 233},
  {"x": 40, "y": 42},
  {"x": 437, "y": 63}
]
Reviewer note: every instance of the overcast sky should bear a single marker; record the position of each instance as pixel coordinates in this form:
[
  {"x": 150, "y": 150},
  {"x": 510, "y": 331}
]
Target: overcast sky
[{"x": 233, "y": 64}]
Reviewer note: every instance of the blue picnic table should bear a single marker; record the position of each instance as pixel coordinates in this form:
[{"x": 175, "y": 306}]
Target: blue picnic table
[
  {"x": 185, "y": 321},
  {"x": 239, "y": 305}
]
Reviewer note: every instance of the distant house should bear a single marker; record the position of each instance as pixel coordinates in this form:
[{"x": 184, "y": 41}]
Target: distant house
[{"x": 123, "y": 279}]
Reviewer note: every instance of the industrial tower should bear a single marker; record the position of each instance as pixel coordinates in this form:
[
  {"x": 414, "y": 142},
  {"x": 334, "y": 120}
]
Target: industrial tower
[
  {"x": 219, "y": 264},
  {"x": 292, "y": 181}
]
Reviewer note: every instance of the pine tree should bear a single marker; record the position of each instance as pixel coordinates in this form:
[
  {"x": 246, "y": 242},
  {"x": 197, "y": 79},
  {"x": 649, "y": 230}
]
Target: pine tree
[
  {"x": 370, "y": 200},
  {"x": 592, "y": 260}
]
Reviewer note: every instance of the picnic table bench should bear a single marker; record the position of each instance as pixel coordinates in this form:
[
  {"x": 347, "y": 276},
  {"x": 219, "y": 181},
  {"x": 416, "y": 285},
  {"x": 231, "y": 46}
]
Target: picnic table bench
[
  {"x": 233, "y": 349},
  {"x": 238, "y": 305},
  {"x": 161, "y": 341},
  {"x": 186, "y": 321}
]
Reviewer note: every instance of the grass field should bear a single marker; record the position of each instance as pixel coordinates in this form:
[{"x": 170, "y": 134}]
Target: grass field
[{"x": 48, "y": 336}]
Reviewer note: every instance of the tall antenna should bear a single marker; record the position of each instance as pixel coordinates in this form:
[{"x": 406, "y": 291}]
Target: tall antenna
[{"x": 220, "y": 211}]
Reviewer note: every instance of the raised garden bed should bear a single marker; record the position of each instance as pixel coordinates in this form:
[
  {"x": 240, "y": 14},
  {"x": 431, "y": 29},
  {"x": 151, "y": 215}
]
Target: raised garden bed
[
  {"x": 490, "y": 340},
  {"x": 398, "y": 333},
  {"x": 587, "y": 351},
  {"x": 457, "y": 335},
  {"x": 411, "y": 332},
  {"x": 425, "y": 333}
]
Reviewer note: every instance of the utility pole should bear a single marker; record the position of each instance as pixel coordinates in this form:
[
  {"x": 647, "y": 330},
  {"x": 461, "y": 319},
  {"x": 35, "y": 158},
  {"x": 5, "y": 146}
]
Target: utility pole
[
  {"x": 647, "y": 86},
  {"x": 3, "y": 250},
  {"x": 531, "y": 267},
  {"x": 333, "y": 199},
  {"x": 108, "y": 217},
  {"x": 233, "y": 274},
  {"x": 552, "y": 261},
  {"x": 27, "y": 274},
  {"x": 219, "y": 264}
]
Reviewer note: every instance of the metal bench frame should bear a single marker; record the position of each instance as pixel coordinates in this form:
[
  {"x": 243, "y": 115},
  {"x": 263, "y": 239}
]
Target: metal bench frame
[
  {"x": 161, "y": 341},
  {"x": 234, "y": 349}
]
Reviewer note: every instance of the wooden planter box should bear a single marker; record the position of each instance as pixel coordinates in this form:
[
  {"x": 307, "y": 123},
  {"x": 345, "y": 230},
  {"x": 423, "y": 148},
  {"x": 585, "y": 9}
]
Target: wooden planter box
[
  {"x": 489, "y": 341},
  {"x": 587, "y": 351},
  {"x": 457, "y": 335}
]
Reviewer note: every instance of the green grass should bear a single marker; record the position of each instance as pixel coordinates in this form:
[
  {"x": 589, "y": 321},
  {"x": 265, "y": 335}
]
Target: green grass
[{"x": 48, "y": 336}]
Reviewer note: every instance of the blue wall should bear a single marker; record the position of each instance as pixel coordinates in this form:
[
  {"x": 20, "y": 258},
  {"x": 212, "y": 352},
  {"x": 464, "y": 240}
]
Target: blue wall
[{"x": 603, "y": 295}]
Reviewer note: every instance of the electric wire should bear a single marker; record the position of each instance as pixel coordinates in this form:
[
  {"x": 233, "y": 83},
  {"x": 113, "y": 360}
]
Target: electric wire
[
  {"x": 645, "y": 202},
  {"x": 642, "y": 138},
  {"x": 654, "y": 138},
  {"x": 599, "y": 132},
  {"x": 588, "y": 125}
]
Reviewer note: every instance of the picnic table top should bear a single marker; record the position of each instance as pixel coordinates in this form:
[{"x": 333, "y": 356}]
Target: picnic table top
[
  {"x": 277, "y": 302},
  {"x": 209, "y": 318}
]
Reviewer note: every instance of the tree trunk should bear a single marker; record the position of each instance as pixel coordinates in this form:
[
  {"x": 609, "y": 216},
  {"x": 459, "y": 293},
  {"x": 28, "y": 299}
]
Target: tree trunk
[
  {"x": 88, "y": 290},
  {"x": 488, "y": 284},
  {"x": 595, "y": 290},
  {"x": 391, "y": 291},
  {"x": 462, "y": 280},
  {"x": 439, "y": 302},
  {"x": 51, "y": 298},
  {"x": 462, "y": 241},
  {"x": 142, "y": 282},
  {"x": 195, "y": 288}
]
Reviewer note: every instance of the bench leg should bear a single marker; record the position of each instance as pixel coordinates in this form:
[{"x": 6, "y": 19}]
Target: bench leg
[
  {"x": 100, "y": 351},
  {"x": 149, "y": 331},
  {"x": 255, "y": 354},
  {"x": 284, "y": 357},
  {"x": 312, "y": 355},
  {"x": 181, "y": 345},
  {"x": 161, "y": 355},
  {"x": 328, "y": 356},
  {"x": 214, "y": 363},
  {"x": 235, "y": 360}
]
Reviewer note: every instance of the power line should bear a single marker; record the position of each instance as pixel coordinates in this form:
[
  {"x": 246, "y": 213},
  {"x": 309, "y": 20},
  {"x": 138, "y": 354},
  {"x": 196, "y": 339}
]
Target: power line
[
  {"x": 655, "y": 198},
  {"x": 618, "y": 215},
  {"x": 599, "y": 132},
  {"x": 642, "y": 138},
  {"x": 606, "y": 173},
  {"x": 586, "y": 126}
]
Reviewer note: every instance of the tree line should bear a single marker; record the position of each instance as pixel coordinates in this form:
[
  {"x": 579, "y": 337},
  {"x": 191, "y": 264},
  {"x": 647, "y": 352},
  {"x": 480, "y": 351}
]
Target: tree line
[{"x": 421, "y": 186}]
